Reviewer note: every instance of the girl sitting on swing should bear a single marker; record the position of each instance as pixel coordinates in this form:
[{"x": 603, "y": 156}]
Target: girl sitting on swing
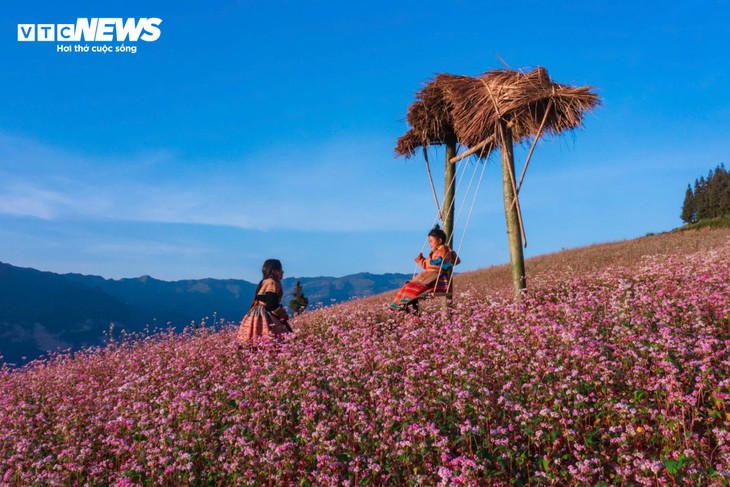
[{"x": 436, "y": 273}]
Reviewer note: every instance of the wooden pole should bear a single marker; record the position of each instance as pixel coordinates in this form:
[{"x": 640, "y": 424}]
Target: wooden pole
[
  {"x": 449, "y": 190},
  {"x": 516, "y": 202},
  {"x": 514, "y": 237}
]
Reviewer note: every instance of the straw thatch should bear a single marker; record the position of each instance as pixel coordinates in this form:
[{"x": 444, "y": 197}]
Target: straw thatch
[
  {"x": 429, "y": 116},
  {"x": 470, "y": 108}
]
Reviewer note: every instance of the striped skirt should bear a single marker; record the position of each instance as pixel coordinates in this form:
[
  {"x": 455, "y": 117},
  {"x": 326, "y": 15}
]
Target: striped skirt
[
  {"x": 416, "y": 289},
  {"x": 259, "y": 324}
]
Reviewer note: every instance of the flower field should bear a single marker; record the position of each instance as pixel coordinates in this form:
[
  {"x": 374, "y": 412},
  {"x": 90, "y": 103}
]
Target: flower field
[{"x": 620, "y": 377}]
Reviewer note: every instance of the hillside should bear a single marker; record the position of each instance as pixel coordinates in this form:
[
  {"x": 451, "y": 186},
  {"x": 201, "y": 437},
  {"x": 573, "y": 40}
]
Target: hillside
[
  {"x": 614, "y": 370},
  {"x": 496, "y": 280}
]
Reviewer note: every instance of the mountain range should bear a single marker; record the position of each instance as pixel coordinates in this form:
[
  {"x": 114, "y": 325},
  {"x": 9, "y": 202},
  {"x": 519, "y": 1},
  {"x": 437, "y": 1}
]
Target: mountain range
[{"x": 43, "y": 311}]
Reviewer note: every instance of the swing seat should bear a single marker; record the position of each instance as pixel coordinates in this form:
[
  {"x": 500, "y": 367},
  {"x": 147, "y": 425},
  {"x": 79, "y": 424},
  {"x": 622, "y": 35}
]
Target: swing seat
[
  {"x": 448, "y": 295},
  {"x": 441, "y": 291}
]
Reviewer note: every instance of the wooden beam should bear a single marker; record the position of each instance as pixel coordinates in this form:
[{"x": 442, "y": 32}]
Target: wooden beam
[
  {"x": 471, "y": 151},
  {"x": 477, "y": 147}
]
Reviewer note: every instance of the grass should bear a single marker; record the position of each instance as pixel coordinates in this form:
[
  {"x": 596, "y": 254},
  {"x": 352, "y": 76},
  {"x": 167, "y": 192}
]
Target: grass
[{"x": 719, "y": 222}]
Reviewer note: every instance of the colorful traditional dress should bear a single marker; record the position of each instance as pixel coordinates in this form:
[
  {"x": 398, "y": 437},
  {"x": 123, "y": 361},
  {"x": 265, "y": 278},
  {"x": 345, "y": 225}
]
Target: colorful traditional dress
[
  {"x": 435, "y": 277},
  {"x": 266, "y": 317}
]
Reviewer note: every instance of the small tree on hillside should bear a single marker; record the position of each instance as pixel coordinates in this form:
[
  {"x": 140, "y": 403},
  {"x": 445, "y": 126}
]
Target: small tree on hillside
[
  {"x": 688, "y": 208},
  {"x": 300, "y": 301}
]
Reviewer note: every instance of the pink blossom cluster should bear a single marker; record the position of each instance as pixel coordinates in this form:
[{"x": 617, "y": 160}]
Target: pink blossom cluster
[{"x": 619, "y": 378}]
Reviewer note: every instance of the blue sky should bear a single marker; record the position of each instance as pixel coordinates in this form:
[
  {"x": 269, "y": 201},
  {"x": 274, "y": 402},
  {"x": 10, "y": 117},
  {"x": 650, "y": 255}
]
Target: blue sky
[{"x": 251, "y": 130}]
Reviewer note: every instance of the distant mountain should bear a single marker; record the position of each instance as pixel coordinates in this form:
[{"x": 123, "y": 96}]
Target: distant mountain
[
  {"x": 156, "y": 303},
  {"x": 43, "y": 311}
]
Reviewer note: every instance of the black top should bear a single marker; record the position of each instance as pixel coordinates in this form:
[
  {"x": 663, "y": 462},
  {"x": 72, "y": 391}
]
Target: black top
[{"x": 271, "y": 300}]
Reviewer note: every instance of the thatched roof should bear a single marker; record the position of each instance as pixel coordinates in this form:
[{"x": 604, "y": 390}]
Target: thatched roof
[
  {"x": 470, "y": 108},
  {"x": 429, "y": 116}
]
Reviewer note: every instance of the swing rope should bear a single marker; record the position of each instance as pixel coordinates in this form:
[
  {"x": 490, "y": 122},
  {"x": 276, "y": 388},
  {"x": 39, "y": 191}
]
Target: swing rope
[
  {"x": 466, "y": 194},
  {"x": 463, "y": 233},
  {"x": 468, "y": 217},
  {"x": 439, "y": 217}
]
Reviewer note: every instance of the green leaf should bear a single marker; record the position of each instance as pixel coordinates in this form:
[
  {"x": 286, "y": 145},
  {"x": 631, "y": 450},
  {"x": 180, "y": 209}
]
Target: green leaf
[
  {"x": 638, "y": 395},
  {"x": 672, "y": 466}
]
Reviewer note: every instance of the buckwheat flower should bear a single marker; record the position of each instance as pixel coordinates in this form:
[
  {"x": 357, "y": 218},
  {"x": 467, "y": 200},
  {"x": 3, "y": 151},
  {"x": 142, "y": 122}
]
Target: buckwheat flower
[{"x": 445, "y": 474}]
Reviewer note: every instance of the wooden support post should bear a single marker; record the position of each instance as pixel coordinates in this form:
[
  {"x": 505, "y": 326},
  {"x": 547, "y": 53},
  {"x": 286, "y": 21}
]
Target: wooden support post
[
  {"x": 514, "y": 237},
  {"x": 449, "y": 190}
]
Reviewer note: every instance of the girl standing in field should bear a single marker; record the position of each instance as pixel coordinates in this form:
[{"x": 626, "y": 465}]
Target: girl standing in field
[
  {"x": 266, "y": 317},
  {"x": 437, "y": 268}
]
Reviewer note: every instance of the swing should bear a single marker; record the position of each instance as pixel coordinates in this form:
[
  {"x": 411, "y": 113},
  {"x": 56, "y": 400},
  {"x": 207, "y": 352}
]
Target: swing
[
  {"x": 440, "y": 292},
  {"x": 445, "y": 295}
]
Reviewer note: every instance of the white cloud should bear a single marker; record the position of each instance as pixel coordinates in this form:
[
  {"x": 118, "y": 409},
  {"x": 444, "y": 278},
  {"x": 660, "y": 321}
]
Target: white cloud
[
  {"x": 346, "y": 186},
  {"x": 140, "y": 248},
  {"x": 22, "y": 198},
  {"x": 341, "y": 185}
]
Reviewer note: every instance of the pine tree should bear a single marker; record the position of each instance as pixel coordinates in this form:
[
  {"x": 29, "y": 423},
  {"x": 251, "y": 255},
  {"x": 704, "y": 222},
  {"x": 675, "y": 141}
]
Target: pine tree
[
  {"x": 701, "y": 199},
  {"x": 300, "y": 301},
  {"x": 688, "y": 208},
  {"x": 713, "y": 203},
  {"x": 719, "y": 192},
  {"x": 724, "y": 190}
]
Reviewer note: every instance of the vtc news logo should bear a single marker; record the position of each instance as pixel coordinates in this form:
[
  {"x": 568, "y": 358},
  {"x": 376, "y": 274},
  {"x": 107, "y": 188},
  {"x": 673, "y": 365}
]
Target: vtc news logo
[{"x": 94, "y": 29}]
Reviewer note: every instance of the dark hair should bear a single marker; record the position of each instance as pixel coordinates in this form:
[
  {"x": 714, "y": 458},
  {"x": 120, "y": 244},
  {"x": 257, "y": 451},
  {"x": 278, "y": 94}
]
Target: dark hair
[
  {"x": 438, "y": 233},
  {"x": 270, "y": 266},
  {"x": 267, "y": 271}
]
